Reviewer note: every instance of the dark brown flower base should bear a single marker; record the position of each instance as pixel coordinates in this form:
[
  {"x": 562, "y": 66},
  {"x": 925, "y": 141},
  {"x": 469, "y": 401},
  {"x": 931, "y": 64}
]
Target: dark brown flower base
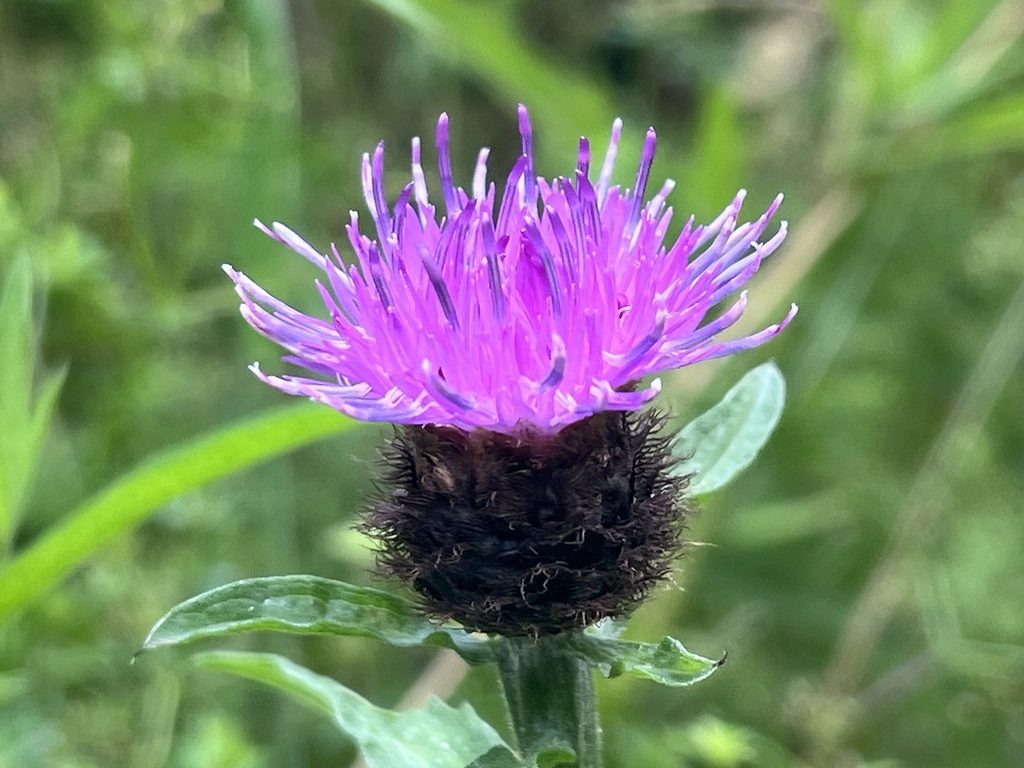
[{"x": 530, "y": 535}]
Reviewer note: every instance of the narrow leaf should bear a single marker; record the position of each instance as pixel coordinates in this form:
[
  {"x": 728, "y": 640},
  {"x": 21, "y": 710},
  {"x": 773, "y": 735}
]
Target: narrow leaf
[
  {"x": 436, "y": 736},
  {"x": 42, "y": 414},
  {"x": 722, "y": 442},
  {"x": 314, "y": 605},
  {"x": 43, "y": 409},
  {"x": 16, "y": 342},
  {"x": 162, "y": 477},
  {"x": 310, "y": 605},
  {"x": 15, "y": 392}
]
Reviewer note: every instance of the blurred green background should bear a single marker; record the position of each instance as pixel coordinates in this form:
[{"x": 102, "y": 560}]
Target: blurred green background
[{"x": 866, "y": 575}]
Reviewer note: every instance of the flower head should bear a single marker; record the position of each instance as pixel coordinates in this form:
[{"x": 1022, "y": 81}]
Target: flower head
[{"x": 533, "y": 311}]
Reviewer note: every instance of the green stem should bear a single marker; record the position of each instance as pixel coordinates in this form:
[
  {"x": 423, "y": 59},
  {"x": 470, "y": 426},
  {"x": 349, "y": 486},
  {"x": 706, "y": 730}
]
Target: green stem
[{"x": 550, "y": 696}]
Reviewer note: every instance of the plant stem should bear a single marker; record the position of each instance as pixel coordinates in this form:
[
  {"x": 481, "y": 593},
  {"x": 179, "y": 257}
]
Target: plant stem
[{"x": 551, "y": 700}]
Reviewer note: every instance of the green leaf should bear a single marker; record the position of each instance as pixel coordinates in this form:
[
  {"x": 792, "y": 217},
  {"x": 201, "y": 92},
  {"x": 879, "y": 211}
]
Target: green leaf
[
  {"x": 310, "y": 605},
  {"x": 722, "y": 442},
  {"x": 314, "y": 605},
  {"x": 42, "y": 414},
  {"x": 162, "y": 477},
  {"x": 667, "y": 662},
  {"x": 16, "y": 341},
  {"x": 555, "y": 757},
  {"x": 435, "y": 736},
  {"x": 15, "y": 390},
  {"x": 25, "y": 423}
]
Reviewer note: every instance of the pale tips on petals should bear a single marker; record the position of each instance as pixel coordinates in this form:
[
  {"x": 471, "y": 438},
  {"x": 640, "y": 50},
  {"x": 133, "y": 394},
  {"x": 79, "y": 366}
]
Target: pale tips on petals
[
  {"x": 380, "y": 202},
  {"x": 255, "y": 368},
  {"x": 707, "y": 331},
  {"x": 372, "y": 177},
  {"x": 419, "y": 182},
  {"x": 725, "y": 348},
  {"x": 654, "y": 207},
  {"x": 283, "y": 235},
  {"x": 480, "y": 175},
  {"x": 731, "y": 212},
  {"x": 777, "y": 238},
  {"x": 444, "y": 165},
  {"x": 264, "y": 228},
  {"x": 366, "y": 182},
  {"x": 609, "y": 162},
  {"x": 793, "y": 309}
]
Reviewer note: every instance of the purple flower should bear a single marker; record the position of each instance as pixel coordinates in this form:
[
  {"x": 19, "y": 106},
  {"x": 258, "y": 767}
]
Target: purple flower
[{"x": 531, "y": 312}]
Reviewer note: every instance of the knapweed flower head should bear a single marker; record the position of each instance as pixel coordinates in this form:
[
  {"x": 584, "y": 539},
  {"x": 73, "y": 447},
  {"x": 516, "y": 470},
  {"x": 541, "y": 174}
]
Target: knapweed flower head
[
  {"x": 525, "y": 492},
  {"x": 529, "y": 312}
]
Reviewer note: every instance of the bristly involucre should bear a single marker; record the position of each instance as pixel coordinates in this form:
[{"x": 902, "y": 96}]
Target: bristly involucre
[
  {"x": 530, "y": 535},
  {"x": 527, "y": 313}
]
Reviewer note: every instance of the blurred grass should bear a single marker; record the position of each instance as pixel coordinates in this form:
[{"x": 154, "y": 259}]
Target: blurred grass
[
  {"x": 865, "y": 575},
  {"x": 162, "y": 478}
]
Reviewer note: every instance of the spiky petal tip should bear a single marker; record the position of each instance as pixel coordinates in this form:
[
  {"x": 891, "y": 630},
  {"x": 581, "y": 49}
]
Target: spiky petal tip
[{"x": 526, "y": 313}]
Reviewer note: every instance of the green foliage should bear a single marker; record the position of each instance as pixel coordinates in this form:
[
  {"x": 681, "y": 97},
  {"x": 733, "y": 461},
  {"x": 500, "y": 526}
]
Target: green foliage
[
  {"x": 722, "y": 442},
  {"x": 161, "y": 478},
  {"x": 480, "y": 42},
  {"x": 435, "y": 736},
  {"x": 315, "y": 605},
  {"x": 864, "y": 573},
  {"x": 551, "y": 702},
  {"x": 667, "y": 662},
  {"x": 548, "y": 681},
  {"x": 25, "y": 413},
  {"x": 310, "y": 605}
]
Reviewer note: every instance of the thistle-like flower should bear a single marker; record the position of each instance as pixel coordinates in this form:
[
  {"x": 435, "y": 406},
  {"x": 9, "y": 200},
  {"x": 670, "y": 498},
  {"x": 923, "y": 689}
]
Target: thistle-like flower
[{"x": 505, "y": 335}]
